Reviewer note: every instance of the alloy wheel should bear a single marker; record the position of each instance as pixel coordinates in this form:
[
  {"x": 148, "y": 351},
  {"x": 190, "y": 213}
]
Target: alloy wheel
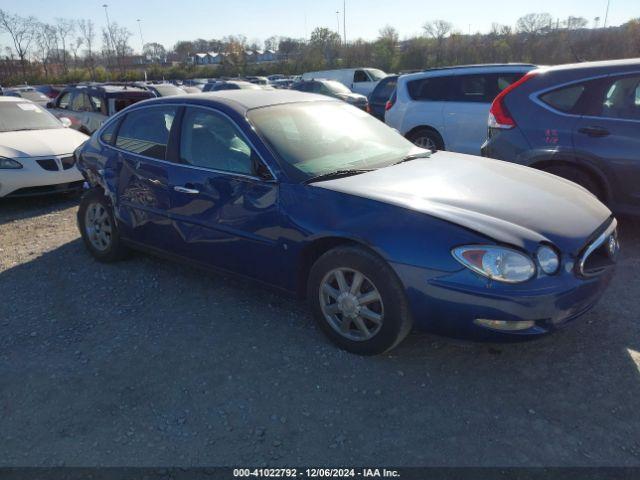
[
  {"x": 351, "y": 304},
  {"x": 98, "y": 226},
  {"x": 426, "y": 142}
]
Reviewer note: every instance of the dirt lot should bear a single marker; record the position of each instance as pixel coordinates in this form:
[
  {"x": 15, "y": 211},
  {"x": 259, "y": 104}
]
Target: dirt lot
[{"x": 152, "y": 363}]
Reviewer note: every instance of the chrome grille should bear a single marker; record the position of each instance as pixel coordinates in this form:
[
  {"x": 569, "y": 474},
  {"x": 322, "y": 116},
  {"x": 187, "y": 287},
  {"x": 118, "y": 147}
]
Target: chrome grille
[{"x": 601, "y": 253}]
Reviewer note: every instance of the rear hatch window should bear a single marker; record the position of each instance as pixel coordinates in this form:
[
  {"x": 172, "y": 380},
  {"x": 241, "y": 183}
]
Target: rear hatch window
[{"x": 121, "y": 101}]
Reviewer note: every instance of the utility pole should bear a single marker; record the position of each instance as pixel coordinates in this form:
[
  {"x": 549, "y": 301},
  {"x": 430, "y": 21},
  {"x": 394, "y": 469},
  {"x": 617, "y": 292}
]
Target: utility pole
[
  {"x": 141, "y": 39},
  {"x": 344, "y": 20},
  {"x": 606, "y": 15},
  {"x": 109, "y": 37}
]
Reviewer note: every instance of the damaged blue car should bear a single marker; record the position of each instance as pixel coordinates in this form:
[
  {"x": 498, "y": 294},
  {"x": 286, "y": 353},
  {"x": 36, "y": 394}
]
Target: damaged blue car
[{"x": 316, "y": 197}]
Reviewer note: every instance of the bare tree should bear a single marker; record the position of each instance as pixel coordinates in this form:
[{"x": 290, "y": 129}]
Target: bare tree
[
  {"x": 46, "y": 43},
  {"x": 272, "y": 43},
  {"x": 576, "y": 23},
  {"x": 438, "y": 30},
  {"x": 389, "y": 34},
  {"x": 154, "y": 52},
  {"x": 66, "y": 29},
  {"x": 534, "y": 23},
  {"x": 87, "y": 33},
  {"x": 75, "y": 46},
  {"x": 118, "y": 37},
  {"x": 22, "y": 32}
]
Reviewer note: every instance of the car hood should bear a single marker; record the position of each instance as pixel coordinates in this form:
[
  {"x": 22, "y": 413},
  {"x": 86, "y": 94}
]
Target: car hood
[
  {"x": 506, "y": 202},
  {"x": 40, "y": 143}
]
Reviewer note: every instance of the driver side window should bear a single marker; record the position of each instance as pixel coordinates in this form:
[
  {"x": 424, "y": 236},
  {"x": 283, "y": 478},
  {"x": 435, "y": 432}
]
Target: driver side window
[{"x": 212, "y": 141}]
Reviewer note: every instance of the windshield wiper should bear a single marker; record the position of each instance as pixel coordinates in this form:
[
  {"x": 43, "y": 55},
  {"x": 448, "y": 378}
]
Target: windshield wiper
[
  {"x": 336, "y": 174},
  {"x": 415, "y": 156}
]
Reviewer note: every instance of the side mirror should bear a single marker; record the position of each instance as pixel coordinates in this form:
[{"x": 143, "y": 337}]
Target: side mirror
[{"x": 66, "y": 122}]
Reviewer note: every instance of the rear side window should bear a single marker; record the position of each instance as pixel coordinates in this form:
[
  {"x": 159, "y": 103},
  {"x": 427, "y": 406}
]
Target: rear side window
[
  {"x": 471, "y": 88},
  {"x": 564, "y": 99},
  {"x": 146, "y": 131},
  {"x": 123, "y": 101},
  {"x": 622, "y": 98},
  {"x": 506, "y": 79},
  {"x": 360, "y": 76},
  {"x": 430, "y": 89},
  {"x": 384, "y": 90}
]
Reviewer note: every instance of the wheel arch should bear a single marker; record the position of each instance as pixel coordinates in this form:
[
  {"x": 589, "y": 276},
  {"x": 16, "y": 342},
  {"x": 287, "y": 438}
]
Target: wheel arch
[
  {"x": 593, "y": 172},
  {"x": 317, "y": 247}
]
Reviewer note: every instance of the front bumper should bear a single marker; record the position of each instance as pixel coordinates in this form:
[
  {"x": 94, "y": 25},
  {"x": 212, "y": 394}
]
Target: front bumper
[
  {"x": 451, "y": 303},
  {"x": 33, "y": 179}
]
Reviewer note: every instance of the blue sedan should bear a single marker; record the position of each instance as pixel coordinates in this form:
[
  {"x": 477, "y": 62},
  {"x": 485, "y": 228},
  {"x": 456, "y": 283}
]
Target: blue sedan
[{"x": 315, "y": 197}]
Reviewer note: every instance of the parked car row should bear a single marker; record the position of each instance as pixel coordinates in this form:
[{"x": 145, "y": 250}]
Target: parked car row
[{"x": 580, "y": 122}]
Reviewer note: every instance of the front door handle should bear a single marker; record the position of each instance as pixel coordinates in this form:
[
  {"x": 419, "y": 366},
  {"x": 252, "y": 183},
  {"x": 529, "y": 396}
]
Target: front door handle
[
  {"x": 594, "y": 131},
  {"x": 190, "y": 191}
]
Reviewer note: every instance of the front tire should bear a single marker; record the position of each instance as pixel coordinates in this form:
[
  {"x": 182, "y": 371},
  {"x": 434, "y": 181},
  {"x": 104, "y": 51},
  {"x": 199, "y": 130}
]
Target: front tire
[
  {"x": 358, "y": 301},
  {"x": 98, "y": 227},
  {"x": 427, "y": 139}
]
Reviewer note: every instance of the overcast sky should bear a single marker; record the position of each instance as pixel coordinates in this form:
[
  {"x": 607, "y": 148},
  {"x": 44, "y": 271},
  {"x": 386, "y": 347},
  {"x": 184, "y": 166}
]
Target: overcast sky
[{"x": 166, "y": 21}]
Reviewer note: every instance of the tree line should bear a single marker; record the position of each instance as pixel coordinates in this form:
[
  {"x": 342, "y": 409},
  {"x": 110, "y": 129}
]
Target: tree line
[{"x": 67, "y": 51}]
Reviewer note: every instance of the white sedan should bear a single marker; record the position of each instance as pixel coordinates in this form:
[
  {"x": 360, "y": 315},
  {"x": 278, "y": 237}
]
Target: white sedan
[{"x": 36, "y": 151}]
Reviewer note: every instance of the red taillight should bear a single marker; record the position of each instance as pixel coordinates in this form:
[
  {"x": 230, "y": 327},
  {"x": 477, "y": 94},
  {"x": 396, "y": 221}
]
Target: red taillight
[
  {"x": 388, "y": 105},
  {"x": 499, "y": 116}
]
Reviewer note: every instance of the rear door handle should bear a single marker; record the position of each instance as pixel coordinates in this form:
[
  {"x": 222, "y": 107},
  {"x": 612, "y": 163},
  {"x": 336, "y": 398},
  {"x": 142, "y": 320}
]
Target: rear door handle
[
  {"x": 190, "y": 191},
  {"x": 594, "y": 131}
]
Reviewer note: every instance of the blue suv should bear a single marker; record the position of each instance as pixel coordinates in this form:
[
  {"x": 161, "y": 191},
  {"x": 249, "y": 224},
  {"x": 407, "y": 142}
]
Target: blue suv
[{"x": 580, "y": 122}]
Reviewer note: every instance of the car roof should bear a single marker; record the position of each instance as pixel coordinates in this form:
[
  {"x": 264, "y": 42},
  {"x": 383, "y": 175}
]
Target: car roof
[
  {"x": 244, "y": 100},
  {"x": 475, "y": 68},
  {"x": 109, "y": 88},
  {"x": 595, "y": 66}
]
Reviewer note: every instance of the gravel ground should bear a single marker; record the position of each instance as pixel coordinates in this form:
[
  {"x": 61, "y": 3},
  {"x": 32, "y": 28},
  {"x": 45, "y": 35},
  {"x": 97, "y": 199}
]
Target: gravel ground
[{"x": 151, "y": 363}]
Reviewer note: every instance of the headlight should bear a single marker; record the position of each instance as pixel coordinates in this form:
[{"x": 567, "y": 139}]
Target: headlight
[
  {"x": 7, "y": 163},
  {"x": 497, "y": 263},
  {"x": 548, "y": 260}
]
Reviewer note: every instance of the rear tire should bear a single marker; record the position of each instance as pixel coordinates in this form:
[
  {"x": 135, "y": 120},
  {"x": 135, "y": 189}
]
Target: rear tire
[
  {"x": 358, "y": 301},
  {"x": 426, "y": 138},
  {"x": 99, "y": 229},
  {"x": 579, "y": 176}
]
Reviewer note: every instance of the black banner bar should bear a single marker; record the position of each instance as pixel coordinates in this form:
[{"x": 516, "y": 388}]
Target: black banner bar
[{"x": 309, "y": 473}]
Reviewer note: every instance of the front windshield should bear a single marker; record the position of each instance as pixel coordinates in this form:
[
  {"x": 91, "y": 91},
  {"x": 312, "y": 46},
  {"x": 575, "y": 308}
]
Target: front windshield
[
  {"x": 336, "y": 87},
  {"x": 25, "y": 116},
  {"x": 376, "y": 74},
  {"x": 316, "y": 138}
]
